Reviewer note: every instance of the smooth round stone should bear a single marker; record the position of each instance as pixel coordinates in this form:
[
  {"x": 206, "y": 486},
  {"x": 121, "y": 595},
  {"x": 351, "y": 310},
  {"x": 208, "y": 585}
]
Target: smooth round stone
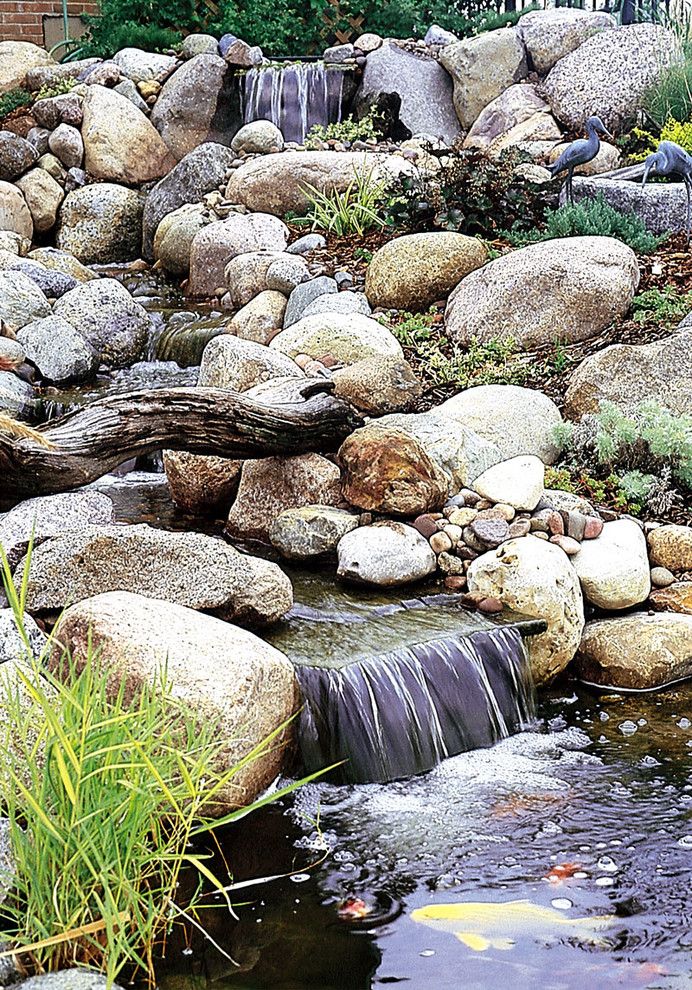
[
  {"x": 520, "y": 527},
  {"x": 440, "y": 542},
  {"x": 490, "y": 606},
  {"x": 661, "y": 577},
  {"x": 463, "y": 517},
  {"x": 566, "y": 543},
  {"x": 455, "y": 582},
  {"x": 506, "y": 511},
  {"x": 491, "y": 532},
  {"x": 453, "y": 532}
]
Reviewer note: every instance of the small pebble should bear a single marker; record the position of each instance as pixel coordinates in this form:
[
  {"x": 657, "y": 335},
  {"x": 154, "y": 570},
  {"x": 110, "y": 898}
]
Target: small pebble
[
  {"x": 450, "y": 565},
  {"x": 426, "y": 525},
  {"x": 440, "y": 542},
  {"x": 540, "y": 536},
  {"x": 490, "y": 606},
  {"x": 567, "y": 544},
  {"x": 463, "y": 517},
  {"x": 455, "y": 582},
  {"x": 576, "y": 526},
  {"x": 453, "y": 532},
  {"x": 593, "y": 527},
  {"x": 661, "y": 577},
  {"x": 520, "y": 527},
  {"x": 507, "y": 512}
]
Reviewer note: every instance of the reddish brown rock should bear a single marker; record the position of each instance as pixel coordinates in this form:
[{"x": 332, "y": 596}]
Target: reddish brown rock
[{"x": 675, "y": 598}]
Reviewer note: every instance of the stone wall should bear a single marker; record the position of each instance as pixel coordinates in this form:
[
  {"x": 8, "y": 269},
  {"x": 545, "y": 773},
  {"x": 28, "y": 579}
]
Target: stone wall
[{"x": 40, "y": 21}]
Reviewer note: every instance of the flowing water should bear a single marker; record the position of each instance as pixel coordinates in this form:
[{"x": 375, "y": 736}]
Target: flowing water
[{"x": 294, "y": 96}]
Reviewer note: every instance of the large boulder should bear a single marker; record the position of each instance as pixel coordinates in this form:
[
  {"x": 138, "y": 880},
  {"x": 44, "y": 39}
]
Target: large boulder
[
  {"x": 189, "y": 569},
  {"x": 120, "y": 143},
  {"x": 423, "y": 86},
  {"x": 406, "y": 464},
  {"x": 518, "y": 113},
  {"x": 226, "y": 677},
  {"x": 63, "y": 261},
  {"x": 16, "y": 59},
  {"x": 567, "y": 289},
  {"x": 38, "y": 519},
  {"x": 216, "y": 244},
  {"x": 385, "y": 554},
  {"x": 346, "y": 337},
  {"x": 377, "y": 385},
  {"x": 517, "y": 420},
  {"x": 639, "y": 652},
  {"x": 614, "y": 569},
  {"x": 101, "y": 223},
  {"x": 229, "y": 362},
  {"x": 609, "y": 73},
  {"x": 415, "y": 270},
  {"x": 269, "y": 486},
  {"x": 14, "y": 212},
  {"x": 536, "y": 578},
  {"x": 196, "y": 105},
  {"x": 481, "y": 68},
  {"x": 59, "y": 351},
  {"x": 43, "y": 196},
  {"x": 21, "y": 300},
  {"x": 549, "y": 35},
  {"x": 201, "y": 482},
  {"x": 174, "y": 235},
  {"x": 106, "y": 315},
  {"x": 627, "y": 374},
  {"x": 12, "y": 643},
  {"x": 141, "y": 66},
  {"x": 279, "y": 183},
  {"x": 671, "y": 547},
  {"x": 202, "y": 170},
  {"x": 310, "y": 531}
]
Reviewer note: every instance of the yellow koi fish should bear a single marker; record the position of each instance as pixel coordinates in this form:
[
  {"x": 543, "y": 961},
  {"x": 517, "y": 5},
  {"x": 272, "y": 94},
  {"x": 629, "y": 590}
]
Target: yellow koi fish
[{"x": 480, "y": 925}]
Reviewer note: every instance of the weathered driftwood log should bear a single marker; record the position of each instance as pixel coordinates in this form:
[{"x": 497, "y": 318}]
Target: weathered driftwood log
[{"x": 91, "y": 441}]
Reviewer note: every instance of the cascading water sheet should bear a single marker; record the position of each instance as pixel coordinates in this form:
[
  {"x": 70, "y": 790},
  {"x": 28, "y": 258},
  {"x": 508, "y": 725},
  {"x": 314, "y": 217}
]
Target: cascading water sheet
[{"x": 295, "y": 97}]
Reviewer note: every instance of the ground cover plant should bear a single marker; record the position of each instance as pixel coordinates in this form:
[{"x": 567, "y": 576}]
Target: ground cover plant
[
  {"x": 13, "y": 99},
  {"x": 107, "y": 800}
]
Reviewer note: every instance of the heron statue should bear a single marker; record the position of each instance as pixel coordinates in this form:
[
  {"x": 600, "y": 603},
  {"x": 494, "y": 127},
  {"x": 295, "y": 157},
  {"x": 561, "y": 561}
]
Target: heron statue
[
  {"x": 580, "y": 152},
  {"x": 670, "y": 159}
]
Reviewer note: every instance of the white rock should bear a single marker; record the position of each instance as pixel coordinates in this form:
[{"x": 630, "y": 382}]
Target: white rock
[
  {"x": 348, "y": 337},
  {"x": 536, "y": 578},
  {"x": 385, "y": 554},
  {"x": 517, "y": 482},
  {"x": 614, "y": 568}
]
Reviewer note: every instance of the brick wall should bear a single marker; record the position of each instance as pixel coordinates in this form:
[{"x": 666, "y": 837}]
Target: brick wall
[{"x": 23, "y": 20}]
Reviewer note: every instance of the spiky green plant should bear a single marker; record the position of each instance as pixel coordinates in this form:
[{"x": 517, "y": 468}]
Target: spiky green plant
[
  {"x": 354, "y": 211},
  {"x": 107, "y": 802}
]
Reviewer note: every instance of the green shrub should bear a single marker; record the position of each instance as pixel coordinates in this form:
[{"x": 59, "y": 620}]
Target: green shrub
[
  {"x": 147, "y": 24},
  {"x": 648, "y": 452},
  {"x": 12, "y": 100},
  {"x": 105, "y": 38},
  {"x": 661, "y": 307},
  {"x": 346, "y": 131},
  {"x": 106, "y": 802},
  {"x": 354, "y": 211},
  {"x": 470, "y": 193},
  {"x": 592, "y": 217}
]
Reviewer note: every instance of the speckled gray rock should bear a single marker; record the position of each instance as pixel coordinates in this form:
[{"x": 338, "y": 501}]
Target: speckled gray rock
[
  {"x": 310, "y": 531},
  {"x": 21, "y": 300},
  {"x": 385, "y": 554},
  {"x": 229, "y": 362},
  {"x": 218, "y": 243},
  {"x": 200, "y": 171},
  {"x": 577, "y": 284},
  {"x": 105, "y": 313},
  {"x": 627, "y": 374},
  {"x": 142, "y": 66},
  {"x": 549, "y": 35},
  {"x": 51, "y": 515},
  {"x": 424, "y": 87},
  {"x": 59, "y": 350},
  {"x": 12, "y": 644},
  {"x": 224, "y": 676},
  {"x": 348, "y": 337},
  {"x": 101, "y": 223},
  {"x": 69, "y": 979},
  {"x": 17, "y": 156},
  {"x": 16, "y": 396},
  {"x": 174, "y": 236},
  {"x": 307, "y": 243},
  {"x": 610, "y": 73},
  {"x": 305, "y": 294},
  {"x": 189, "y": 569},
  {"x": 286, "y": 273},
  {"x": 662, "y": 206},
  {"x": 339, "y": 302},
  {"x": 199, "y": 44},
  {"x": 52, "y": 283},
  {"x": 259, "y": 137}
]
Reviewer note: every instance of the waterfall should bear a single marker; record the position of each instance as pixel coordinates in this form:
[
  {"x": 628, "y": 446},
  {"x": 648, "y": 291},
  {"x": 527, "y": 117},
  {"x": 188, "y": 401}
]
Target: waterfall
[
  {"x": 402, "y": 712},
  {"x": 294, "y": 96}
]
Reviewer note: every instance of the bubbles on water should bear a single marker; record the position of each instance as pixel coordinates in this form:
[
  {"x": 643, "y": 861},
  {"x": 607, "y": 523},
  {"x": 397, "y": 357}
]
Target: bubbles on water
[
  {"x": 187, "y": 951},
  {"x": 607, "y": 864},
  {"x": 562, "y": 903},
  {"x": 628, "y": 727},
  {"x": 642, "y": 721},
  {"x": 649, "y": 761},
  {"x": 684, "y": 723},
  {"x": 604, "y": 717},
  {"x": 300, "y": 877},
  {"x": 685, "y": 841},
  {"x": 604, "y": 881},
  {"x": 426, "y": 953}
]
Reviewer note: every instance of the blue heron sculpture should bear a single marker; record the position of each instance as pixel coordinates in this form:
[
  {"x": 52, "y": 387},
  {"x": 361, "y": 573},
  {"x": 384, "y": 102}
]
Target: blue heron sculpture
[
  {"x": 670, "y": 159},
  {"x": 580, "y": 152}
]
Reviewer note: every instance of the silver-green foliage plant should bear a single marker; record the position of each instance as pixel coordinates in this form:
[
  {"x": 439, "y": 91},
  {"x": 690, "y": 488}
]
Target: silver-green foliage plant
[
  {"x": 347, "y": 131},
  {"x": 649, "y": 451},
  {"x": 108, "y": 790},
  {"x": 354, "y": 211}
]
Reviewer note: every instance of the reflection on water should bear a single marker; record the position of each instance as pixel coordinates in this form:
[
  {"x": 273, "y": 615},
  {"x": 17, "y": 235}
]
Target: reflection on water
[{"x": 586, "y": 815}]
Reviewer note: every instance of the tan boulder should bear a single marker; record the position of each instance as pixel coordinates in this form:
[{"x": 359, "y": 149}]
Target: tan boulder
[
  {"x": 638, "y": 651},
  {"x": 482, "y": 67},
  {"x": 14, "y": 213},
  {"x": 516, "y": 106},
  {"x": 415, "y": 270},
  {"x": 549, "y": 35},
  {"x": 120, "y": 143},
  {"x": 217, "y": 243},
  {"x": 675, "y": 598},
  {"x": 566, "y": 289},
  {"x": 671, "y": 547},
  {"x": 261, "y": 319},
  {"x": 226, "y": 677},
  {"x": 16, "y": 59},
  {"x": 43, "y": 196},
  {"x": 347, "y": 337},
  {"x": 378, "y": 385},
  {"x": 535, "y": 577},
  {"x": 175, "y": 234},
  {"x": 269, "y": 486},
  {"x": 201, "y": 483}
]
